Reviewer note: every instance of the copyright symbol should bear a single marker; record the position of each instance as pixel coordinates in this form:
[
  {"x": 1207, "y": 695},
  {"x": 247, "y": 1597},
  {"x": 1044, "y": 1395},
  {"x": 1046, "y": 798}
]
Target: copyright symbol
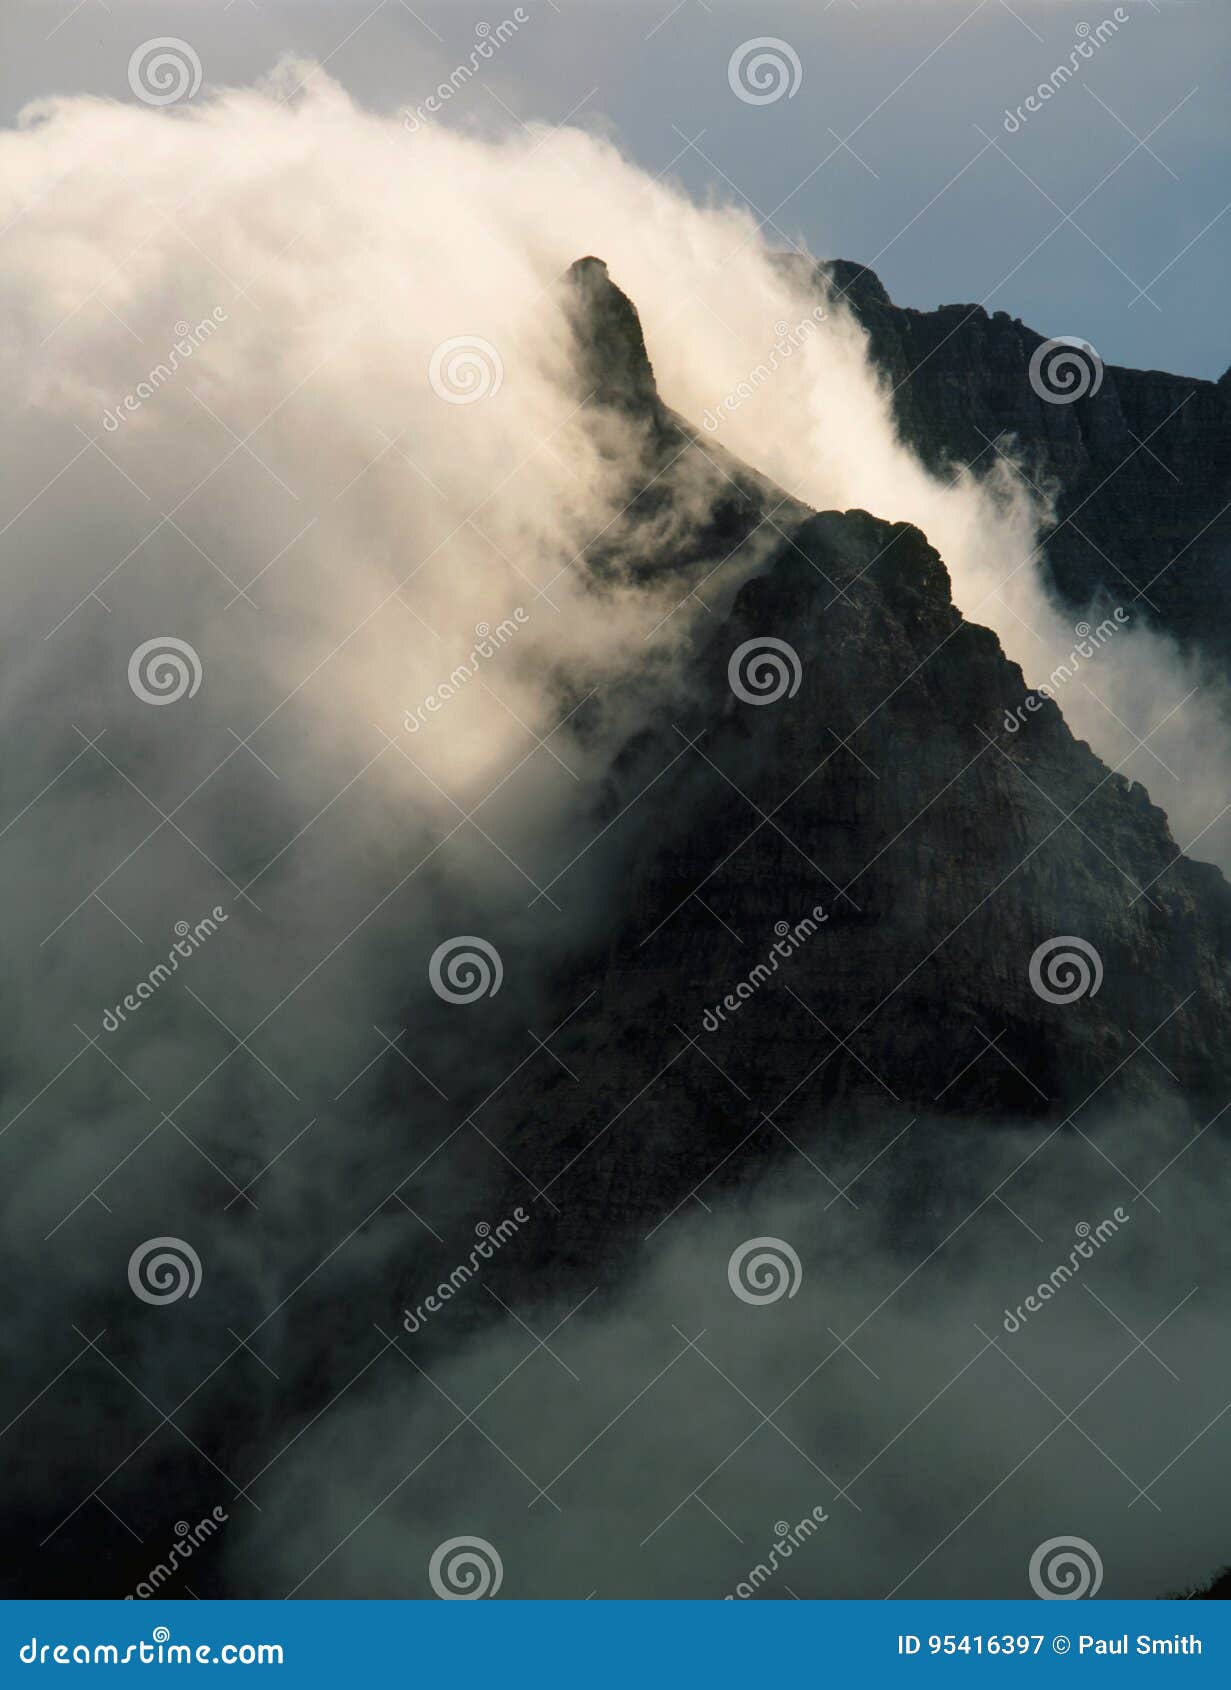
[{"x": 1061, "y": 1644}]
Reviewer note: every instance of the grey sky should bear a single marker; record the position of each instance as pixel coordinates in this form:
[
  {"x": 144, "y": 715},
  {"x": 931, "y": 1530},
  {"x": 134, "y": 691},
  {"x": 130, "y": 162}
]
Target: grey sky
[{"x": 945, "y": 203}]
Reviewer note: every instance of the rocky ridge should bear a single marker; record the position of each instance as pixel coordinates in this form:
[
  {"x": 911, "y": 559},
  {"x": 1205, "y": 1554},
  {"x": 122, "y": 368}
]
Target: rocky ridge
[{"x": 1139, "y": 467}]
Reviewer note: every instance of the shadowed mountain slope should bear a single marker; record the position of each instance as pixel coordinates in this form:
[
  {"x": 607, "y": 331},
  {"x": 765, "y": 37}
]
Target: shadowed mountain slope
[
  {"x": 972, "y": 883},
  {"x": 1140, "y": 467}
]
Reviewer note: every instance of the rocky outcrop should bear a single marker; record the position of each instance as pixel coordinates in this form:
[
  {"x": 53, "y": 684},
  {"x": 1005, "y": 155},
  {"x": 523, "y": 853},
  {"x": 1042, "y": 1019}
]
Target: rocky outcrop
[
  {"x": 996, "y": 927},
  {"x": 1140, "y": 469},
  {"x": 863, "y": 902},
  {"x": 683, "y": 503}
]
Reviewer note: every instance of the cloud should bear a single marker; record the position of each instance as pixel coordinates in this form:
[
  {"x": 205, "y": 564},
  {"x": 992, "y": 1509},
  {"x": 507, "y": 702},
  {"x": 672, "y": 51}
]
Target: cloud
[
  {"x": 293, "y": 389},
  {"x": 654, "y": 1444}
]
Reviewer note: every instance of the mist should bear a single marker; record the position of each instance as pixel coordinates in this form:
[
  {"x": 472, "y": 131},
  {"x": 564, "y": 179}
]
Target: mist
[
  {"x": 455, "y": 512},
  {"x": 368, "y": 460},
  {"x": 653, "y": 1444}
]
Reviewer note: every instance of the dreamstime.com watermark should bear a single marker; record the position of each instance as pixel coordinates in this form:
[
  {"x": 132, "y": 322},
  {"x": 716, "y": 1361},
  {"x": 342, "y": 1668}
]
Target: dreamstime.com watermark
[
  {"x": 158, "y": 1651},
  {"x": 164, "y": 669},
  {"x": 465, "y": 1569},
  {"x": 465, "y": 370},
  {"x": 464, "y": 969},
  {"x": 1090, "y": 1241},
  {"x": 764, "y": 669},
  {"x": 764, "y": 70},
  {"x": 189, "y": 337},
  {"x": 1066, "y": 1569},
  {"x": 188, "y": 1539},
  {"x": 489, "y": 40},
  {"x": 1089, "y": 640},
  {"x": 1088, "y": 42},
  {"x": 162, "y": 1270},
  {"x": 790, "y": 1538},
  {"x": 488, "y": 642},
  {"x": 1065, "y": 369},
  {"x": 791, "y": 336},
  {"x": 491, "y": 1239},
  {"x": 764, "y": 1270},
  {"x": 1065, "y": 969},
  {"x": 164, "y": 70},
  {"x": 783, "y": 948},
  {"x": 189, "y": 940}
]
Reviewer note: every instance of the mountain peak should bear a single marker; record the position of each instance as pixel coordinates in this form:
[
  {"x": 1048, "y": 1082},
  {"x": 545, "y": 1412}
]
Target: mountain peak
[
  {"x": 614, "y": 367},
  {"x": 848, "y": 277}
]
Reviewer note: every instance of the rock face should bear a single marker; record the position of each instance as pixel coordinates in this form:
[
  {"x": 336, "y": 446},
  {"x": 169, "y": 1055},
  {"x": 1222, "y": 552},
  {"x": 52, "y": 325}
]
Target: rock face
[
  {"x": 920, "y": 859},
  {"x": 683, "y": 501},
  {"x": 1141, "y": 468},
  {"x": 996, "y": 926},
  {"x": 613, "y": 367}
]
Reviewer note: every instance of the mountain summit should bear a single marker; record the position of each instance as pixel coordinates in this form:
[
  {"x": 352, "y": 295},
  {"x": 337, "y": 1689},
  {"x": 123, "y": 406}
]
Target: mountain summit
[
  {"x": 1009, "y": 931},
  {"x": 1139, "y": 466}
]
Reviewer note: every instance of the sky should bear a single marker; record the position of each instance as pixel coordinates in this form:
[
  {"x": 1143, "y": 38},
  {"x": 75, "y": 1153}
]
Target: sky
[{"x": 892, "y": 149}]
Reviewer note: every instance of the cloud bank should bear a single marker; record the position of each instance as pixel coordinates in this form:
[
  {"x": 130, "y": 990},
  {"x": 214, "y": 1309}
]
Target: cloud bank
[{"x": 297, "y": 407}]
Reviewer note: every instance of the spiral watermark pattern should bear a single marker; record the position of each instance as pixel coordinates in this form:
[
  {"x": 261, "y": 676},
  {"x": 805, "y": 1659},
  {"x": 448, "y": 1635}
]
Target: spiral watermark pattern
[
  {"x": 762, "y": 70},
  {"x": 763, "y": 670},
  {"x": 466, "y": 369},
  {"x": 465, "y": 968},
  {"x": 764, "y": 1270},
  {"x": 1065, "y": 969},
  {"x": 162, "y": 1270},
  {"x": 164, "y": 71},
  {"x": 463, "y": 1569},
  {"x": 1065, "y": 369},
  {"x": 1064, "y": 1569},
  {"x": 164, "y": 670}
]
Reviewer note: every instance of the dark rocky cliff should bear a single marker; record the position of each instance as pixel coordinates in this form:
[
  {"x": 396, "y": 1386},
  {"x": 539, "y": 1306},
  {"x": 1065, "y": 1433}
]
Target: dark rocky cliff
[
  {"x": 1140, "y": 468},
  {"x": 683, "y": 500},
  {"x": 881, "y": 789}
]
